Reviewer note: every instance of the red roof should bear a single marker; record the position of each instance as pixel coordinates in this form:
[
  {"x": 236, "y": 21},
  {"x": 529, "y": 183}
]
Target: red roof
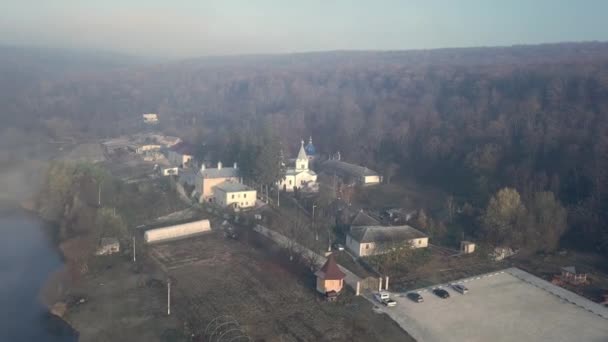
[{"x": 331, "y": 271}]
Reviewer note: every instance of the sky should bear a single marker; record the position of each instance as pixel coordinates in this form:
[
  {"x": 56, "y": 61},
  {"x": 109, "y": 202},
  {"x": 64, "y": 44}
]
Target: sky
[{"x": 189, "y": 28}]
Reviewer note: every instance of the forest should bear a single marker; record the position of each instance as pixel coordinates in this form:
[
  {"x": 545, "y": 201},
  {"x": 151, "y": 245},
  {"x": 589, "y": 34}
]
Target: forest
[{"x": 533, "y": 119}]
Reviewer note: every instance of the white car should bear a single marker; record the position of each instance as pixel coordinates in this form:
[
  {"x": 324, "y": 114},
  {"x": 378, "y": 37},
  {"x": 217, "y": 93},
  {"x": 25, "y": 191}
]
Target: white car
[
  {"x": 460, "y": 288},
  {"x": 384, "y": 298}
]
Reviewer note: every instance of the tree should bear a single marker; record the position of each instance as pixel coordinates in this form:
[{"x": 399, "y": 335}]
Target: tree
[
  {"x": 260, "y": 158},
  {"x": 450, "y": 206},
  {"x": 422, "y": 221},
  {"x": 391, "y": 255},
  {"x": 547, "y": 222},
  {"x": 109, "y": 224},
  {"x": 502, "y": 220}
]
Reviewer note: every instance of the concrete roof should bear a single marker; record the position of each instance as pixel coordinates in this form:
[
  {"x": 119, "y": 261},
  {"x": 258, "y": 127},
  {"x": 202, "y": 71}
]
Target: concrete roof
[
  {"x": 385, "y": 233},
  {"x": 233, "y": 187},
  {"x": 569, "y": 269},
  {"x": 352, "y": 169},
  {"x": 363, "y": 219},
  {"x": 224, "y": 172}
]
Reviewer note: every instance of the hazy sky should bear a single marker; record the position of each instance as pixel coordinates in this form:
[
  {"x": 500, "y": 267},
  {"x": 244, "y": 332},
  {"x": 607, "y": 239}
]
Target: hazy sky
[{"x": 185, "y": 28}]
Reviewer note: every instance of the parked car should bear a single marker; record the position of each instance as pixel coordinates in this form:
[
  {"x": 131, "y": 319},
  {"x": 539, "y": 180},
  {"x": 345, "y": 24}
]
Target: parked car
[
  {"x": 441, "y": 293},
  {"x": 389, "y": 302},
  {"x": 384, "y": 298},
  {"x": 460, "y": 288},
  {"x": 416, "y": 297},
  {"x": 338, "y": 247}
]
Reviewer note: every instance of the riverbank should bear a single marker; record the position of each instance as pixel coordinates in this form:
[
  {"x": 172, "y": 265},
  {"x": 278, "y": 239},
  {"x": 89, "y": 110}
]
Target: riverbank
[
  {"x": 114, "y": 300},
  {"x": 29, "y": 257}
]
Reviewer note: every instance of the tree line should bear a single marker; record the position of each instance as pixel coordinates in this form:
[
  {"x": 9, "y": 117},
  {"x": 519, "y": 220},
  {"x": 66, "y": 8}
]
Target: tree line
[{"x": 472, "y": 122}]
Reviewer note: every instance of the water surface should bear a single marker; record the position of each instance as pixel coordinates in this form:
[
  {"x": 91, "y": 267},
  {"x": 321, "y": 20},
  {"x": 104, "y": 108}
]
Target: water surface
[{"x": 27, "y": 258}]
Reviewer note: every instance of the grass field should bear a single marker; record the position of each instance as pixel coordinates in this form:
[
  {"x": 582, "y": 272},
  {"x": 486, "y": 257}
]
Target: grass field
[{"x": 272, "y": 298}]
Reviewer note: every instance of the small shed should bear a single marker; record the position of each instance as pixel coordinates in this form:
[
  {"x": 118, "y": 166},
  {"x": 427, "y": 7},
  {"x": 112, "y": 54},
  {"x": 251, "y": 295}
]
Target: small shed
[
  {"x": 330, "y": 277},
  {"x": 467, "y": 247},
  {"x": 108, "y": 246},
  {"x": 570, "y": 275}
]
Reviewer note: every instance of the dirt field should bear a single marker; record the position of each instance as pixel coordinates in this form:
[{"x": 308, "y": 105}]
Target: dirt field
[
  {"x": 270, "y": 297},
  {"x": 121, "y": 305}
]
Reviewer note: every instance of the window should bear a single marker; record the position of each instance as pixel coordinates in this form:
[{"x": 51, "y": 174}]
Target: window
[
  {"x": 290, "y": 182},
  {"x": 244, "y": 195},
  {"x": 366, "y": 246},
  {"x": 232, "y": 196},
  {"x": 420, "y": 242}
]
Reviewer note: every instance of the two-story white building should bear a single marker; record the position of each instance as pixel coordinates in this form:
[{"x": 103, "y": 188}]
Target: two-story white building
[
  {"x": 206, "y": 179},
  {"x": 236, "y": 195}
]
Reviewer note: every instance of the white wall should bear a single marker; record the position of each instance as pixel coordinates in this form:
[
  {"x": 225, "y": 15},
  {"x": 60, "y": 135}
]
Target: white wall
[
  {"x": 372, "y": 179},
  {"x": 420, "y": 243},
  {"x": 370, "y": 248},
  {"x": 177, "y": 231},
  {"x": 353, "y": 245},
  {"x": 243, "y": 199},
  {"x": 296, "y": 180}
]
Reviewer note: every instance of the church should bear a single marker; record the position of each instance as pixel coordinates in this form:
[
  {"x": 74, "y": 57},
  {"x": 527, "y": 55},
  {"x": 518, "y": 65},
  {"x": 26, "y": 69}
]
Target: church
[{"x": 299, "y": 175}]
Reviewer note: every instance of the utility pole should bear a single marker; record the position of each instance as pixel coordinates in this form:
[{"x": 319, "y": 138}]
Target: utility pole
[
  {"x": 313, "y": 222},
  {"x": 168, "y": 296},
  {"x": 99, "y": 195},
  {"x": 134, "y": 248}
]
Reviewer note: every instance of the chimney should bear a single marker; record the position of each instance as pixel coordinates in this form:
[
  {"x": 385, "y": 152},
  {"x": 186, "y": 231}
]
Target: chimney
[
  {"x": 234, "y": 166},
  {"x": 219, "y": 165}
]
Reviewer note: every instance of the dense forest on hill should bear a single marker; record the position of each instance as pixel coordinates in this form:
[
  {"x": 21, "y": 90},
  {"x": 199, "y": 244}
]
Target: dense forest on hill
[{"x": 533, "y": 118}]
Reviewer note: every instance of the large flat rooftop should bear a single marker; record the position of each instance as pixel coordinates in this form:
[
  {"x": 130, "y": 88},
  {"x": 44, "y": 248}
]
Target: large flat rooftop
[{"x": 510, "y": 305}]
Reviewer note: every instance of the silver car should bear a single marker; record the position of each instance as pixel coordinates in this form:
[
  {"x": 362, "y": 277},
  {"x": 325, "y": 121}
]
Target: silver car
[{"x": 460, "y": 288}]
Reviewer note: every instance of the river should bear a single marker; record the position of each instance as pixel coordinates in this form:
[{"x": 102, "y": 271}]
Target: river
[{"x": 27, "y": 258}]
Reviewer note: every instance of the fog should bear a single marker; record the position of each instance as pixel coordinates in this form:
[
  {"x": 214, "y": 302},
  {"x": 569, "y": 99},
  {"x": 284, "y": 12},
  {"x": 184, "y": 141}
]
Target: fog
[{"x": 195, "y": 28}]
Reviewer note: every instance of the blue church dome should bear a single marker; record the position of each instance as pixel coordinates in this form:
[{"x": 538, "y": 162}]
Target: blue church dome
[{"x": 310, "y": 148}]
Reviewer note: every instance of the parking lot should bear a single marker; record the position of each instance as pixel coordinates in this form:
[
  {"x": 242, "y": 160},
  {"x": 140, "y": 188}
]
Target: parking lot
[{"x": 510, "y": 305}]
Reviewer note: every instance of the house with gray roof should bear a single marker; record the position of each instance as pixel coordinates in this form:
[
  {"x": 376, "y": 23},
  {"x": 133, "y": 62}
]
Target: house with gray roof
[
  {"x": 351, "y": 173},
  {"x": 376, "y": 239},
  {"x": 208, "y": 178},
  {"x": 235, "y": 195}
]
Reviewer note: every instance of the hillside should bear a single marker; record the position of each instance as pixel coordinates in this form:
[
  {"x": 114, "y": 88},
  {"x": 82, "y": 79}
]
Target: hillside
[{"x": 469, "y": 120}]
